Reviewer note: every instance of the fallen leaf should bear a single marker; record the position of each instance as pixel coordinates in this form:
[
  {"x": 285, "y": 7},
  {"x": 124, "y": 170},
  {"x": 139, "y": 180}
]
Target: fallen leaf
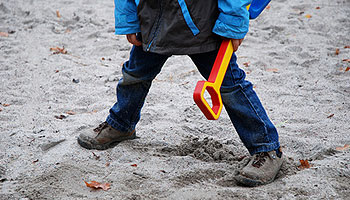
[
  {"x": 317, "y": 8},
  {"x": 108, "y": 164},
  {"x": 341, "y": 69},
  {"x": 268, "y": 7},
  {"x": 346, "y": 60},
  {"x": 58, "y": 14},
  {"x": 60, "y": 116},
  {"x": 337, "y": 51},
  {"x": 97, "y": 185},
  {"x": 5, "y": 104},
  {"x": 70, "y": 112},
  {"x": 347, "y": 47},
  {"x": 272, "y": 69},
  {"x": 57, "y": 50},
  {"x": 344, "y": 148},
  {"x": 163, "y": 171},
  {"x": 304, "y": 164},
  {"x": 246, "y": 64},
  {"x": 3, "y": 34},
  {"x": 330, "y": 116},
  {"x": 56, "y": 71},
  {"x": 247, "y": 72},
  {"x": 347, "y": 69},
  {"x": 308, "y": 16},
  {"x": 103, "y": 58},
  {"x": 0, "y": 109},
  {"x": 133, "y": 165}
]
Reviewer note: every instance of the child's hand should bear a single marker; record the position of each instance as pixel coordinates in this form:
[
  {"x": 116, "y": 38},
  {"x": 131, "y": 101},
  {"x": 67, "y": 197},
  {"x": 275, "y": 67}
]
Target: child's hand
[
  {"x": 132, "y": 39},
  {"x": 236, "y": 43}
]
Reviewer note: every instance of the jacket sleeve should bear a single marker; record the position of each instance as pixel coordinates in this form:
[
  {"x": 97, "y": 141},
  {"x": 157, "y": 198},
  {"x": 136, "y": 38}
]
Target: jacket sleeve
[
  {"x": 126, "y": 20},
  {"x": 233, "y": 20}
]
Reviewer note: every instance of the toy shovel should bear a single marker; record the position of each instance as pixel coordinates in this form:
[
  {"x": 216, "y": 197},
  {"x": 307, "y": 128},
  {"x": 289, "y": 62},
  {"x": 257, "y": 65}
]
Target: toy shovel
[
  {"x": 214, "y": 83},
  {"x": 219, "y": 70}
]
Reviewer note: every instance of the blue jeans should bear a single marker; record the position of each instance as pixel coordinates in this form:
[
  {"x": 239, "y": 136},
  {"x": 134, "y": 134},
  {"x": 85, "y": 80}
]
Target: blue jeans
[{"x": 240, "y": 101}]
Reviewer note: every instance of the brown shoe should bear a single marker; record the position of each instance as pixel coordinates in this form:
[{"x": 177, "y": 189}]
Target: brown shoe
[
  {"x": 262, "y": 169},
  {"x": 104, "y": 137}
]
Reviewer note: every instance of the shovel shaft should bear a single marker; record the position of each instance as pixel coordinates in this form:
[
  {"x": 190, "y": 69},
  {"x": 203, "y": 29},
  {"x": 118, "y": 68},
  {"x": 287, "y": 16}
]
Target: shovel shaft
[{"x": 214, "y": 82}]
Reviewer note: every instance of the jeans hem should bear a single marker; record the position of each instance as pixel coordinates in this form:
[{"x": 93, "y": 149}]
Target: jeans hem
[
  {"x": 264, "y": 148},
  {"x": 117, "y": 126}
]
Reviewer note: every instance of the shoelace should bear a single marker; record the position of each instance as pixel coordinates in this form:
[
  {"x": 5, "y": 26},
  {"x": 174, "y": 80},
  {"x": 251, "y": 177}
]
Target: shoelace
[
  {"x": 100, "y": 127},
  {"x": 259, "y": 159}
]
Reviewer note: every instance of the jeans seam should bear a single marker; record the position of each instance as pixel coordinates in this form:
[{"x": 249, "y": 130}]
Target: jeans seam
[
  {"x": 252, "y": 106},
  {"x": 139, "y": 105}
]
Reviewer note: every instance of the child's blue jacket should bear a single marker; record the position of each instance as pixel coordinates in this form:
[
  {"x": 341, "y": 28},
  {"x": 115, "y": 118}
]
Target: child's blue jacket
[{"x": 182, "y": 26}]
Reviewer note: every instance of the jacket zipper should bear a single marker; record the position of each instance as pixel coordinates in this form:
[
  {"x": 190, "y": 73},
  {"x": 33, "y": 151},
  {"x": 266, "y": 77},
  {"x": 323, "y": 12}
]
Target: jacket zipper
[{"x": 157, "y": 27}]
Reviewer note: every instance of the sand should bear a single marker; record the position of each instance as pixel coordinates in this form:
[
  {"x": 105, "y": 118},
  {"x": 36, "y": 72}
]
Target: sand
[{"x": 289, "y": 54}]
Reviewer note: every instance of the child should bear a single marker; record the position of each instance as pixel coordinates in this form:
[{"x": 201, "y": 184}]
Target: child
[{"x": 161, "y": 28}]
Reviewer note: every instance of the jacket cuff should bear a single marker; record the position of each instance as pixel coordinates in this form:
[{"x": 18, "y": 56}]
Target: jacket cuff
[
  {"x": 126, "y": 24},
  {"x": 131, "y": 28},
  {"x": 235, "y": 27}
]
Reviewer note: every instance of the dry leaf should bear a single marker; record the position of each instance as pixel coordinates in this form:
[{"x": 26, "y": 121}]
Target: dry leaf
[
  {"x": 108, "y": 164},
  {"x": 346, "y": 60},
  {"x": 272, "y": 69},
  {"x": 347, "y": 69},
  {"x": 58, "y": 14},
  {"x": 5, "y": 104},
  {"x": 70, "y": 112},
  {"x": 246, "y": 64},
  {"x": 133, "y": 165},
  {"x": 103, "y": 58},
  {"x": 347, "y": 47},
  {"x": 330, "y": 116},
  {"x": 308, "y": 16},
  {"x": 0, "y": 109},
  {"x": 3, "y": 34},
  {"x": 337, "y": 51},
  {"x": 317, "y": 8},
  {"x": 344, "y": 148},
  {"x": 304, "y": 164},
  {"x": 97, "y": 185},
  {"x": 57, "y": 71},
  {"x": 60, "y": 116},
  {"x": 57, "y": 50},
  {"x": 268, "y": 7}
]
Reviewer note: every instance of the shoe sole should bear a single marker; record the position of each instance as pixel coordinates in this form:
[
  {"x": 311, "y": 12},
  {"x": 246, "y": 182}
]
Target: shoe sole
[
  {"x": 244, "y": 181},
  {"x": 105, "y": 146}
]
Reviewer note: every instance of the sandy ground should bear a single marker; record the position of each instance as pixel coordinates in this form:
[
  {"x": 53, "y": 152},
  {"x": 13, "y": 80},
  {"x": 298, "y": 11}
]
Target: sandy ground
[{"x": 290, "y": 56}]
